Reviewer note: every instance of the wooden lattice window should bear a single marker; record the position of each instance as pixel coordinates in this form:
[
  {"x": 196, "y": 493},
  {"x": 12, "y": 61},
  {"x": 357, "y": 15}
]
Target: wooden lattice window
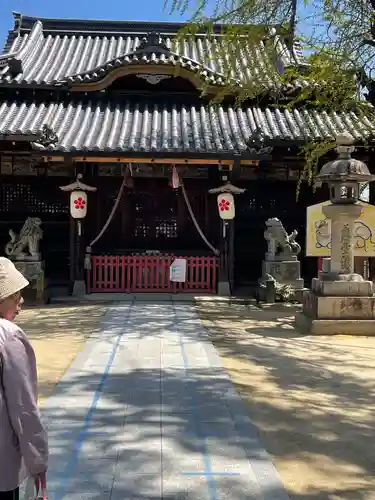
[
  {"x": 25, "y": 198},
  {"x": 141, "y": 230},
  {"x": 166, "y": 228},
  {"x": 155, "y": 215}
]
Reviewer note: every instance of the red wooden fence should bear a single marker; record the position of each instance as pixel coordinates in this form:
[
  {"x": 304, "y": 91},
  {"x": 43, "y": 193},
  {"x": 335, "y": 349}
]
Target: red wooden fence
[{"x": 131, "y": 274}]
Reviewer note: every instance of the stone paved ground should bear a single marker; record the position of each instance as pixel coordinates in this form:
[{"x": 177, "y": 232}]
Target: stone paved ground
[
  {"x": 312, "y": 398},
  {"x": 146, "y": 412},
  {"x": 57, "y": 333}
]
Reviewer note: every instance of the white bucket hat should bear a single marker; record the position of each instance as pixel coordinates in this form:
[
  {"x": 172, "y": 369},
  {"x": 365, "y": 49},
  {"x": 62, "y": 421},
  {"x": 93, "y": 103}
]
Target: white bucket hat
[{"x": 11, "y": 280}]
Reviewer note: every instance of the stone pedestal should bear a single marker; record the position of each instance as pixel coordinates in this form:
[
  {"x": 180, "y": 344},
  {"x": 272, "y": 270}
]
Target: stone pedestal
[
  {"x": 34, "y": 273},
  {"x": 286, "y": 272},
  {"x": 338, "y": 315}
]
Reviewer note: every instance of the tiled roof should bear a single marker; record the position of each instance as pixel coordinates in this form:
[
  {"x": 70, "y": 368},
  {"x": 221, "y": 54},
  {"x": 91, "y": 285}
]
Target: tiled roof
[
  {"x": 50, "y": 52},
  {"x": 128, "y": 126}
]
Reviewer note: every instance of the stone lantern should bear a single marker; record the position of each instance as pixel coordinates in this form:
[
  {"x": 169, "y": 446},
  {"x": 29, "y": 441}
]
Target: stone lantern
[{"x": 340, "y": 301}]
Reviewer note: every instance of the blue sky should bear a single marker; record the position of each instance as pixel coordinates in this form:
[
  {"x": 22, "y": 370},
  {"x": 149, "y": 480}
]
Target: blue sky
[{"x": 135, "y": 10}]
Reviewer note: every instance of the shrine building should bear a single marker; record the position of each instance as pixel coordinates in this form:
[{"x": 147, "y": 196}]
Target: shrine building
[{"x": 120, "y": 107}]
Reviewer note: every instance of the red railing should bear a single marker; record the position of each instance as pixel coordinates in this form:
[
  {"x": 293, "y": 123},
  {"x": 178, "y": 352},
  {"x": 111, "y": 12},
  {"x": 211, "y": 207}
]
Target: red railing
[{"x": 133, "y": 274}]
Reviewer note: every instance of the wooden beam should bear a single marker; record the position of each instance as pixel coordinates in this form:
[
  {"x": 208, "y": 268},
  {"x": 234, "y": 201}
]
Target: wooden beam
[
  {"x": 155, "y": 161},
  {"x": 254, "y": 163},
  {"x": 54, "y": 158},
  {"x": 168, "y": 161}
]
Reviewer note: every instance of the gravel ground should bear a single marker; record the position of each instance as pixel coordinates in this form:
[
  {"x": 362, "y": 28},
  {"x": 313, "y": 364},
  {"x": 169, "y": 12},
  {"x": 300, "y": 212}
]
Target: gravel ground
[
  {"x": 57, "y": 335},
  {"x": 312, "y": 398}
]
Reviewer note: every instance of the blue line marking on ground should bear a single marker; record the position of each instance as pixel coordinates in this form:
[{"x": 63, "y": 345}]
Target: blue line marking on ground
[
  {"x": 69, "y": 469},
  {"x": 208, "y": 474},
  {"x": 205, "y": 474}
]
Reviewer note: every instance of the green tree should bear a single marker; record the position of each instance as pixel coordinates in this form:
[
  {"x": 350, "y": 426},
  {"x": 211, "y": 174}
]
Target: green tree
[{"x": 337, "y": 39}]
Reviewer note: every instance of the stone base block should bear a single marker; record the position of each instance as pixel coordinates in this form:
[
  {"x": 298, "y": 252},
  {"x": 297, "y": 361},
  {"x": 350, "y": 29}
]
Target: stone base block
[
  {"x": 306, "y": 325},
  {"x": 299, "y": 294},
  {"x": 79, "y": 288},
  {"x": 338, "y": 308},
  {"x": 342, "y": 288},
  {"x": 285, "y": 272},
  {"x": 223, "y": 289}
]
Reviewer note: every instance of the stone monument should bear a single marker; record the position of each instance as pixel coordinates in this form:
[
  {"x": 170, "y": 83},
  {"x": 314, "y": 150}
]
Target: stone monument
[
  {"x": 23, "y": 250},
  {"x": 340, "y": 301},
  {"x": 281, "y": 260}
]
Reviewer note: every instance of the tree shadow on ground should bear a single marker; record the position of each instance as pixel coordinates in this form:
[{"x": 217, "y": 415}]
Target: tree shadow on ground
[
  {"x": 122, "y": 436},
  {"x": 57, "y": 333},
  {"x": 313, "y": 403},
  {"x": 312, "y": 399},
  {"x": 58, "y": 320}
]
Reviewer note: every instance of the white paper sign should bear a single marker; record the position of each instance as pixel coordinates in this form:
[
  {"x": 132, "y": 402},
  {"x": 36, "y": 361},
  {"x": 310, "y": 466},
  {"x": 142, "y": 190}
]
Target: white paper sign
[{"x": 177, "y": 271}]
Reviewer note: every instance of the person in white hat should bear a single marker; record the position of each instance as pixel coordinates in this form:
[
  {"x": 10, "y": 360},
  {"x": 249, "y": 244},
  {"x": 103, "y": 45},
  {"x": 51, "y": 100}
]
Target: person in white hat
[{"x": 23, "y": 439}]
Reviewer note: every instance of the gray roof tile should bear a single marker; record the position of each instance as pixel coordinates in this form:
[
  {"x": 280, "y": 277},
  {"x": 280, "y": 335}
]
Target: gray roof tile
[
  {"x": 128, "y": 126},
  {"x": 59, "y": 52}
]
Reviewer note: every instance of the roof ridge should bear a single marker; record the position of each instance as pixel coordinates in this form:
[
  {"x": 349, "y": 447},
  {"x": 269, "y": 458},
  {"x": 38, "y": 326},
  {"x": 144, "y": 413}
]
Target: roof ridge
[
  {"x": 98, "y": 25},
  {"x": 14, "y": 58},
  {"x": 70, "y": 25}
]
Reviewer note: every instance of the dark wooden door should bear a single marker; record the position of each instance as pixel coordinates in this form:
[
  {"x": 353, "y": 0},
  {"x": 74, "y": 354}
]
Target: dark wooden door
[{"x": 153, "y": 216}]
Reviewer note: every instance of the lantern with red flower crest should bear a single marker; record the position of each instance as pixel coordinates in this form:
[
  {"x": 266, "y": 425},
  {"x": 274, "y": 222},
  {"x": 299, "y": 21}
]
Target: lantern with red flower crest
[
  {"x": 225, "y": 200},
  {"x": 225, "y": 204},
  {"x": 78, "y": 204},
  {"x": 78, "y": 198}
]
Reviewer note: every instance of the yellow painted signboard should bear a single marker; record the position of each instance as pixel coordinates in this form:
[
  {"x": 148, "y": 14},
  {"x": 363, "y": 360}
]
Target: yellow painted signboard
[{"x": 318, "y": 232}]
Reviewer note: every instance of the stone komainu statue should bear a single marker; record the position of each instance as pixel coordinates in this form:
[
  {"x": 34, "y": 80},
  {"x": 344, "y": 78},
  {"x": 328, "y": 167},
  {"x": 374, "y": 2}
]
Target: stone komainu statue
[
  {"x": 279, "y": 242},
  {"x": 28, "y": 238}
]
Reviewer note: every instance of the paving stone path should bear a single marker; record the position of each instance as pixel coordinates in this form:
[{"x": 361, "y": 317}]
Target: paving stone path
[{"x": 146, "y": 412}]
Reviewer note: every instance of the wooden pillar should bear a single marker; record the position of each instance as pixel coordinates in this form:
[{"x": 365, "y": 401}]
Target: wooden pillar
[
  {"x": 234, "y": 175},
  {"x": 226, "y": 248},
  {"x": 72, "y": 232},
  {"x": 72, "y": 252},
  {"x": 79, "y": 287},
  {"x": 231, "y": 255},
  {"x": 79, "y": 268}
]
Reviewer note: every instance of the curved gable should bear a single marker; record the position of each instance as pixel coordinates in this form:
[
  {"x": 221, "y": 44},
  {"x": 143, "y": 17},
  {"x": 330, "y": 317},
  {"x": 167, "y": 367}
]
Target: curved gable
[{"x": 148, "y": 59}]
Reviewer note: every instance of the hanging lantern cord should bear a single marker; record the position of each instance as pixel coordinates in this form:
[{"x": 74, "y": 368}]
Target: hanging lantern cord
[
  {"x": 105, "y": 227},
  {"x": 195, "y": 222}
]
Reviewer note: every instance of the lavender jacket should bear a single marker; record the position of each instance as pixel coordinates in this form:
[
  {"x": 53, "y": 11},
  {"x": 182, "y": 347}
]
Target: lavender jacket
[{"x": 23, "y": 439}]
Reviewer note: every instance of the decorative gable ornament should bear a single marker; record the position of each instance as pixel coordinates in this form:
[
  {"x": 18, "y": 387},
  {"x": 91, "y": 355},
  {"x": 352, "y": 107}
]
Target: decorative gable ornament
[
  {"x": 152, "y": 79},
  {"x": 153, "y": 43},
  {"x": 48, "y": 139},
  {"x": 225, "y": 205}
]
